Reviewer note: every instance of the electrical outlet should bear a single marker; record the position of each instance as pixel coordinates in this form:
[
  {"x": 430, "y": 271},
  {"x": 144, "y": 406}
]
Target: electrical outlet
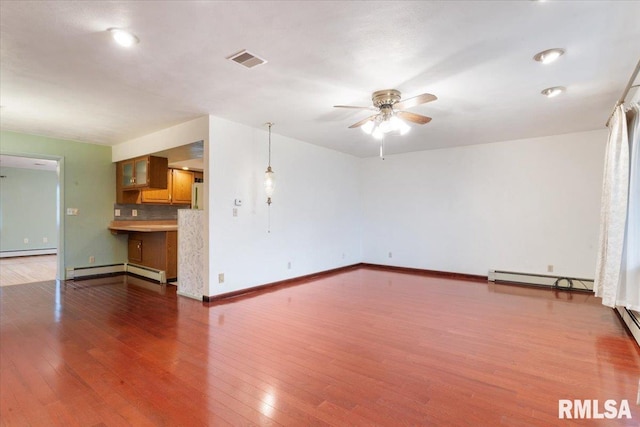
[
  {"x": 116, "y": 212},
  {"x": 390, "y": 254},
  {"x": 550, "y": 268},
  {"x": 235, "y": 211},
  {"x": 289, "y": 265},
  {"x": 26, "y": 240},
  {"x": 45, "y": 240},
  {"x": 92, "y": 259},
  {"x": 72, "y": 211},
  {"x": 134, "y": 212},
  {"x": 220, "y": 277}
]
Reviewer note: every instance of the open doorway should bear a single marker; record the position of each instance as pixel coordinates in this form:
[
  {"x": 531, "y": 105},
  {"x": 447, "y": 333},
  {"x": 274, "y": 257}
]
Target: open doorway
[{"x": 30, "y": 219}]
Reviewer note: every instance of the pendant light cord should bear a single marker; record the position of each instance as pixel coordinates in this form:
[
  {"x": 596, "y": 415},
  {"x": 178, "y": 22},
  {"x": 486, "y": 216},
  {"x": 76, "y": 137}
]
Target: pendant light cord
[{"x": 270, "y": 124}]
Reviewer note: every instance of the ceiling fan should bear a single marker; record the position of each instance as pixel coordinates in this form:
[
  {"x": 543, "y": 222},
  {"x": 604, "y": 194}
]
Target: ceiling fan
[{"x": 391, "y": 115}]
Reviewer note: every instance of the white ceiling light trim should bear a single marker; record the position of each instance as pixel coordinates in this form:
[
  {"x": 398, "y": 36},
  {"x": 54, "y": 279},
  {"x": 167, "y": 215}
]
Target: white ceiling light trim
[
  {"x": 548, "y": 56},
  {"x": 551, "y": 92},
  {"x": 123, "y": 37}
]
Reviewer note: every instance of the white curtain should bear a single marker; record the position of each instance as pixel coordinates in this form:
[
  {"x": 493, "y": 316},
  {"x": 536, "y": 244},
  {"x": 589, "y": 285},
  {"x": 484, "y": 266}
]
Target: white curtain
[
  {"x": 617, "y": 279},
  {"x": 629, "y": 291}
]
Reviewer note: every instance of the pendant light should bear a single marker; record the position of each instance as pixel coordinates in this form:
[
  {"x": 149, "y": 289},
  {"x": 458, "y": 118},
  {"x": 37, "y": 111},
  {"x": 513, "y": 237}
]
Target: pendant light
[{"x": 269, "y": 177}]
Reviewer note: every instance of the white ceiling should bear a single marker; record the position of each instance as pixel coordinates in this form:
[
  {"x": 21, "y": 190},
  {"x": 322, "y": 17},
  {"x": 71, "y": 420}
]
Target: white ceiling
[
  {"x": 62, "y": 76},
  {"x": 28, "y": 163}
]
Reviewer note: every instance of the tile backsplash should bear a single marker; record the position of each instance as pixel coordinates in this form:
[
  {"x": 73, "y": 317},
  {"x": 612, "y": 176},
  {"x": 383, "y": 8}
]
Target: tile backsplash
[{"x": 146, "y": 212}]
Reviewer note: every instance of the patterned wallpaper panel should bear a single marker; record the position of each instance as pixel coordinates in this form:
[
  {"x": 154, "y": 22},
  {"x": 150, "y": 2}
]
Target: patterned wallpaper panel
[{"x": 191, "y": 281}]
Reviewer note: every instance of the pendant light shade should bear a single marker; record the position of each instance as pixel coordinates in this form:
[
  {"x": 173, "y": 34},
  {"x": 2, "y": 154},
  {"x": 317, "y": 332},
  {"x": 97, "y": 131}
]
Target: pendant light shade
[
  {"x": 269, "y": 175},
  {"x": 269, "y": 183}
]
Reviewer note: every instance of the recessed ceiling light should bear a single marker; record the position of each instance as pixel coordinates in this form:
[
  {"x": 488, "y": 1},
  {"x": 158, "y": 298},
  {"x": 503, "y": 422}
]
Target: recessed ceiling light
[
  {"x": 549, "y": 55},
  {"x": 123, "y": 38},
  {"x": 550, "y": 92}
]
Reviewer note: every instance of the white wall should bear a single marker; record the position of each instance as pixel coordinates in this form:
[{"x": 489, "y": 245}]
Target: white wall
[
  {"x": 28, "y": 209},
  {"x": 315, "y": 215},
  {"x": 174, "y": 136},
  {"x": 516, "y": 205}
]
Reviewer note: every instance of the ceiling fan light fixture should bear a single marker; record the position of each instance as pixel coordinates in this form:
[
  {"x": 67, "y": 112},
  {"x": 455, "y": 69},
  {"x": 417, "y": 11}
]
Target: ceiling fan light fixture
[
  {"x": 386, "y": 126},
  {"x": 551, "y": 92},
  {"x": 548, "y": 56},
  {"x": 399, "y": 125},
  {"x": 123, "y": 37},
  {"x": 404, "y": 128},
  {"x": 391, "y": 116},
  {"x": 368, "y": 127}
]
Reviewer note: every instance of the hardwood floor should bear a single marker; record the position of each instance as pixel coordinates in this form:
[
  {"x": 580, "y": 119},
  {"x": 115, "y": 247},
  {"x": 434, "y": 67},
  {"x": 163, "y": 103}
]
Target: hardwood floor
[
  {"x": 363, "y": 347},
  {"x": 27, "y": 269}
]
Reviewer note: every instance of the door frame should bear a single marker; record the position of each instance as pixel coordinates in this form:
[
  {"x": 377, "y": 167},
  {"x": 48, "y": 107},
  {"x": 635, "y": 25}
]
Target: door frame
[{"x": 60, "y": 255}]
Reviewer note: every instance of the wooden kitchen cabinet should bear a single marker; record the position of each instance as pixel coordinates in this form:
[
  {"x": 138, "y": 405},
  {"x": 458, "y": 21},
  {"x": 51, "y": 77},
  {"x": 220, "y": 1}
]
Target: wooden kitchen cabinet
[
  {"x": 144, "y": 172},
  {"x": 135, "y": 249},
  {"x": 178, "y": 190},
  {"x": 158, "y": 249},
  {"x": 139, "y": 173}
]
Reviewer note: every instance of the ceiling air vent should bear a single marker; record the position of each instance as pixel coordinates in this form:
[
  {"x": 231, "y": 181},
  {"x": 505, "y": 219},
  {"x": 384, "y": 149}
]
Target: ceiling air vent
[{"x": 247, "y": 59}]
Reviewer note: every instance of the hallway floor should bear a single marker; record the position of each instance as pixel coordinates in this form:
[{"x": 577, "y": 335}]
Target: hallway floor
[{"x": 27, "y": 269}]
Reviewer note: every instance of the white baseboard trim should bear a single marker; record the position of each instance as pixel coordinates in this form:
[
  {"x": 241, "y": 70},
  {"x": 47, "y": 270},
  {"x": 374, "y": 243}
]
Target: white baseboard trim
[
  {"x": 539, "y": 280},
  {"x": 632, "y": 320},
  {"x": 34, "y": 252}
]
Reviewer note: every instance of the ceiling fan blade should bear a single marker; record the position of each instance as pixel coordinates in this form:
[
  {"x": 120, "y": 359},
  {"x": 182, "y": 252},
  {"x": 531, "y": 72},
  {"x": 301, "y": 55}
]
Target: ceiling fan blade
[
  {"x": 413, "y": 117},
  {"x": 361, "y": 122},
  {"x": 416, "y": 100},
  {"x": 353, "y": 106}
]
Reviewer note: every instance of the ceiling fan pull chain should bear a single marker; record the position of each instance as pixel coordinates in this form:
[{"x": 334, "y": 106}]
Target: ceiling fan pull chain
[{"x": 382, "y": 147}]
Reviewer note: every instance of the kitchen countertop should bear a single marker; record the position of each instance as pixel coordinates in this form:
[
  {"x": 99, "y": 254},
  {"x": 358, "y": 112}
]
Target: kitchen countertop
[{"x": 143, "y": 226}]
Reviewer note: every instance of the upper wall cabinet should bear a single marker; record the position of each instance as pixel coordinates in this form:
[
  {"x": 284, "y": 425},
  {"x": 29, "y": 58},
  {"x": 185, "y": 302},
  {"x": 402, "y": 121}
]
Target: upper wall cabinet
[
  {"x": 140, "y": 173},
  {"x": 178, "y": 191},
  {"x": 143, "y": 172}
]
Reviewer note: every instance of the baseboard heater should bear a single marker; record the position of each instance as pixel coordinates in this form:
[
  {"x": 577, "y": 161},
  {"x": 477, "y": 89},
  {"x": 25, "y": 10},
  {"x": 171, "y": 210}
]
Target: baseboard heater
[
  {"x": 148, "y": 272},
  {"x": 632, "y": 320},
  {"x": 558, "y": 282},
  {"x": 105, "y": 270},
  {"x": 29, "y": 252},
  {"x": 94, "y": 271}
]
